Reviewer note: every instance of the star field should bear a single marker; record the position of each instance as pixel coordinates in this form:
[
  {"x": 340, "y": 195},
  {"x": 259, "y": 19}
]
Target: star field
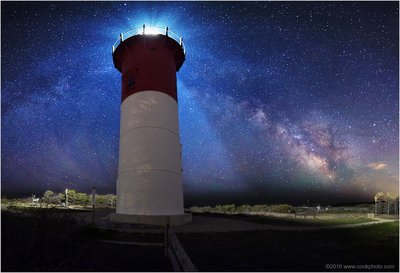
[{"x": 278, "y": 101}]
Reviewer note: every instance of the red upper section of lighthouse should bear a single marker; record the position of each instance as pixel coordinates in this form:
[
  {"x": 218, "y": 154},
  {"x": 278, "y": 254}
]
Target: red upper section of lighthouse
[{"x": 148, "y": 62}]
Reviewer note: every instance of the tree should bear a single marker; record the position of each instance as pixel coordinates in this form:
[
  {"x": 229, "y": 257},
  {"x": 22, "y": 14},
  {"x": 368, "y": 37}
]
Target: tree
[
  {"x": 48, "y": 197},
  {"x": 61, "y": 196},
  {"x": 82, "y": 199},
  {"x": 56, "y": 199},
  {"x": 112, "y": 201},
  {"x": 107, "y": 200},
  {"x": 72, "y": 197},
  {"x": 101, "y": 200}
]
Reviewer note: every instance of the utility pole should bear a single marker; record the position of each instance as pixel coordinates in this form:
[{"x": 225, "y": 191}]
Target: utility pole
[{"x": 66, "y": 198}]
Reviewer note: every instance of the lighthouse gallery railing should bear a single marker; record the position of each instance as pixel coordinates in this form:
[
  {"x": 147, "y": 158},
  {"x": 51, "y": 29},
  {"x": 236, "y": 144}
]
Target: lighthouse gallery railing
[{"x": 147, "y": 31}]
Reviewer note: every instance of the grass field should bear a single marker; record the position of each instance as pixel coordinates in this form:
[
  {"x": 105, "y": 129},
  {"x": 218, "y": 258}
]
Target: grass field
[
  {"x": 53, "y": 240},
  {"x": 294, "y": 250},
  {"x": 291, "y": 221}
]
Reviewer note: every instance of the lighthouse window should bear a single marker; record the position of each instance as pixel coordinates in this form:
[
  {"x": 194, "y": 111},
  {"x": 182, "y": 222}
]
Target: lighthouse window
[{"x": 131, "y": 82}]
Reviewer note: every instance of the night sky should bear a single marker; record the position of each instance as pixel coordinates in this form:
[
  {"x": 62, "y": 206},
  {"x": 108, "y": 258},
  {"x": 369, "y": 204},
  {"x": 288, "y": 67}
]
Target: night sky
[{"x": 278, "y": 101}]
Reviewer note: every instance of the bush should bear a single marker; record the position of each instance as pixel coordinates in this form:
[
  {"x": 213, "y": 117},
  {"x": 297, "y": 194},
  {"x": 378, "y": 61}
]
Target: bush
[
  {"x": 50, "y": 197},
  {"x": 101, "y": 201},
  {"x": 112, "y": 201},
  {"x": 243, "y": 208},
  {"x": 231, "y": 208},
  {"x": 282, "y": 208},
  {"x": 5, "y": 200},
  {"x": 228, "y": 208},
  {"x": 71, "y": 197},
  {"x": 104, "y": 201},
  {"x": 260, "y": 208},
  {"x": 82, "y": 199},
  {"x": 200, "y": 209}
]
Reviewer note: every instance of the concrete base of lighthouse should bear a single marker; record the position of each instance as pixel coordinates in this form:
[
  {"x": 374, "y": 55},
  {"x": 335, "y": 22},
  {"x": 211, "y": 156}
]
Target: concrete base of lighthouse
[{"x": 158, "y": 220}]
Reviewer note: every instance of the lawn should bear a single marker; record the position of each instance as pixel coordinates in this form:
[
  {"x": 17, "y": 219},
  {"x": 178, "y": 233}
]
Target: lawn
[
  {"x": 294, "y": 250},
  {"x": 290, "y": 221},
  {"x": 52, "y": 240}
]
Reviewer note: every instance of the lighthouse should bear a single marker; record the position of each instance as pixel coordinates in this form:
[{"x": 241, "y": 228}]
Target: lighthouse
[{"x": 149, "y": 184}]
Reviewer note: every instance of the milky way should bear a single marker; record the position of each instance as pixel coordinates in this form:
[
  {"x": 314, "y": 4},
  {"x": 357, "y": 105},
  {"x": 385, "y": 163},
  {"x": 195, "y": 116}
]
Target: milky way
[{"x": 278, "y": 101}]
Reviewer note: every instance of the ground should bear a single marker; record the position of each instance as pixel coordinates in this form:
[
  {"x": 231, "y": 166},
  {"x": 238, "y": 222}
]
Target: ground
[
  {"x": 54, "y": 240},
  {"x": 65, "y": 240},
  {"x": 270, "y": 250}
]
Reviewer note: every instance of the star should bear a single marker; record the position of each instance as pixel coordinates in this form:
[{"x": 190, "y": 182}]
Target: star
[{"x": 275, "y": 99}]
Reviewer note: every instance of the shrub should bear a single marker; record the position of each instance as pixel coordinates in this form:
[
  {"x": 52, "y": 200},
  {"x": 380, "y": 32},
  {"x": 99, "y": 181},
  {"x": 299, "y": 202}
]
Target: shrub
[
  {"x": 101, "y": 201},
  {"x": 5, "y": 200},
  {"x": 71, "y": 197},
  {"x": 231, "y": 208},
  {"x": 243, "y": 208},
  {"x": 82, "y": 199},
  {"x": 112, "y": 201},
  {"x": 282, "y": 208},
  {"x": 260, "y": 208},
  {"x": 50, "y": 197}
]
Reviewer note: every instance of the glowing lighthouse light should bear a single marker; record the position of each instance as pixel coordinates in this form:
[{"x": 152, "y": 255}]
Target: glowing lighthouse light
[
  {"x": 152, "y": 31},
  {"x": 149, "y": 184}
]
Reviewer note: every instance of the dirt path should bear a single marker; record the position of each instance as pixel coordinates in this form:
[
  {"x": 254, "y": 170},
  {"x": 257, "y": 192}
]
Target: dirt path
[{"x": 220, "y": 224}]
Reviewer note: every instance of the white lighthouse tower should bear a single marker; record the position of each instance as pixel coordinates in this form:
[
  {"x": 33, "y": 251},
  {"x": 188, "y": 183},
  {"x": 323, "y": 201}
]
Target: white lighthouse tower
[{"x": 149, "y": 185}]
